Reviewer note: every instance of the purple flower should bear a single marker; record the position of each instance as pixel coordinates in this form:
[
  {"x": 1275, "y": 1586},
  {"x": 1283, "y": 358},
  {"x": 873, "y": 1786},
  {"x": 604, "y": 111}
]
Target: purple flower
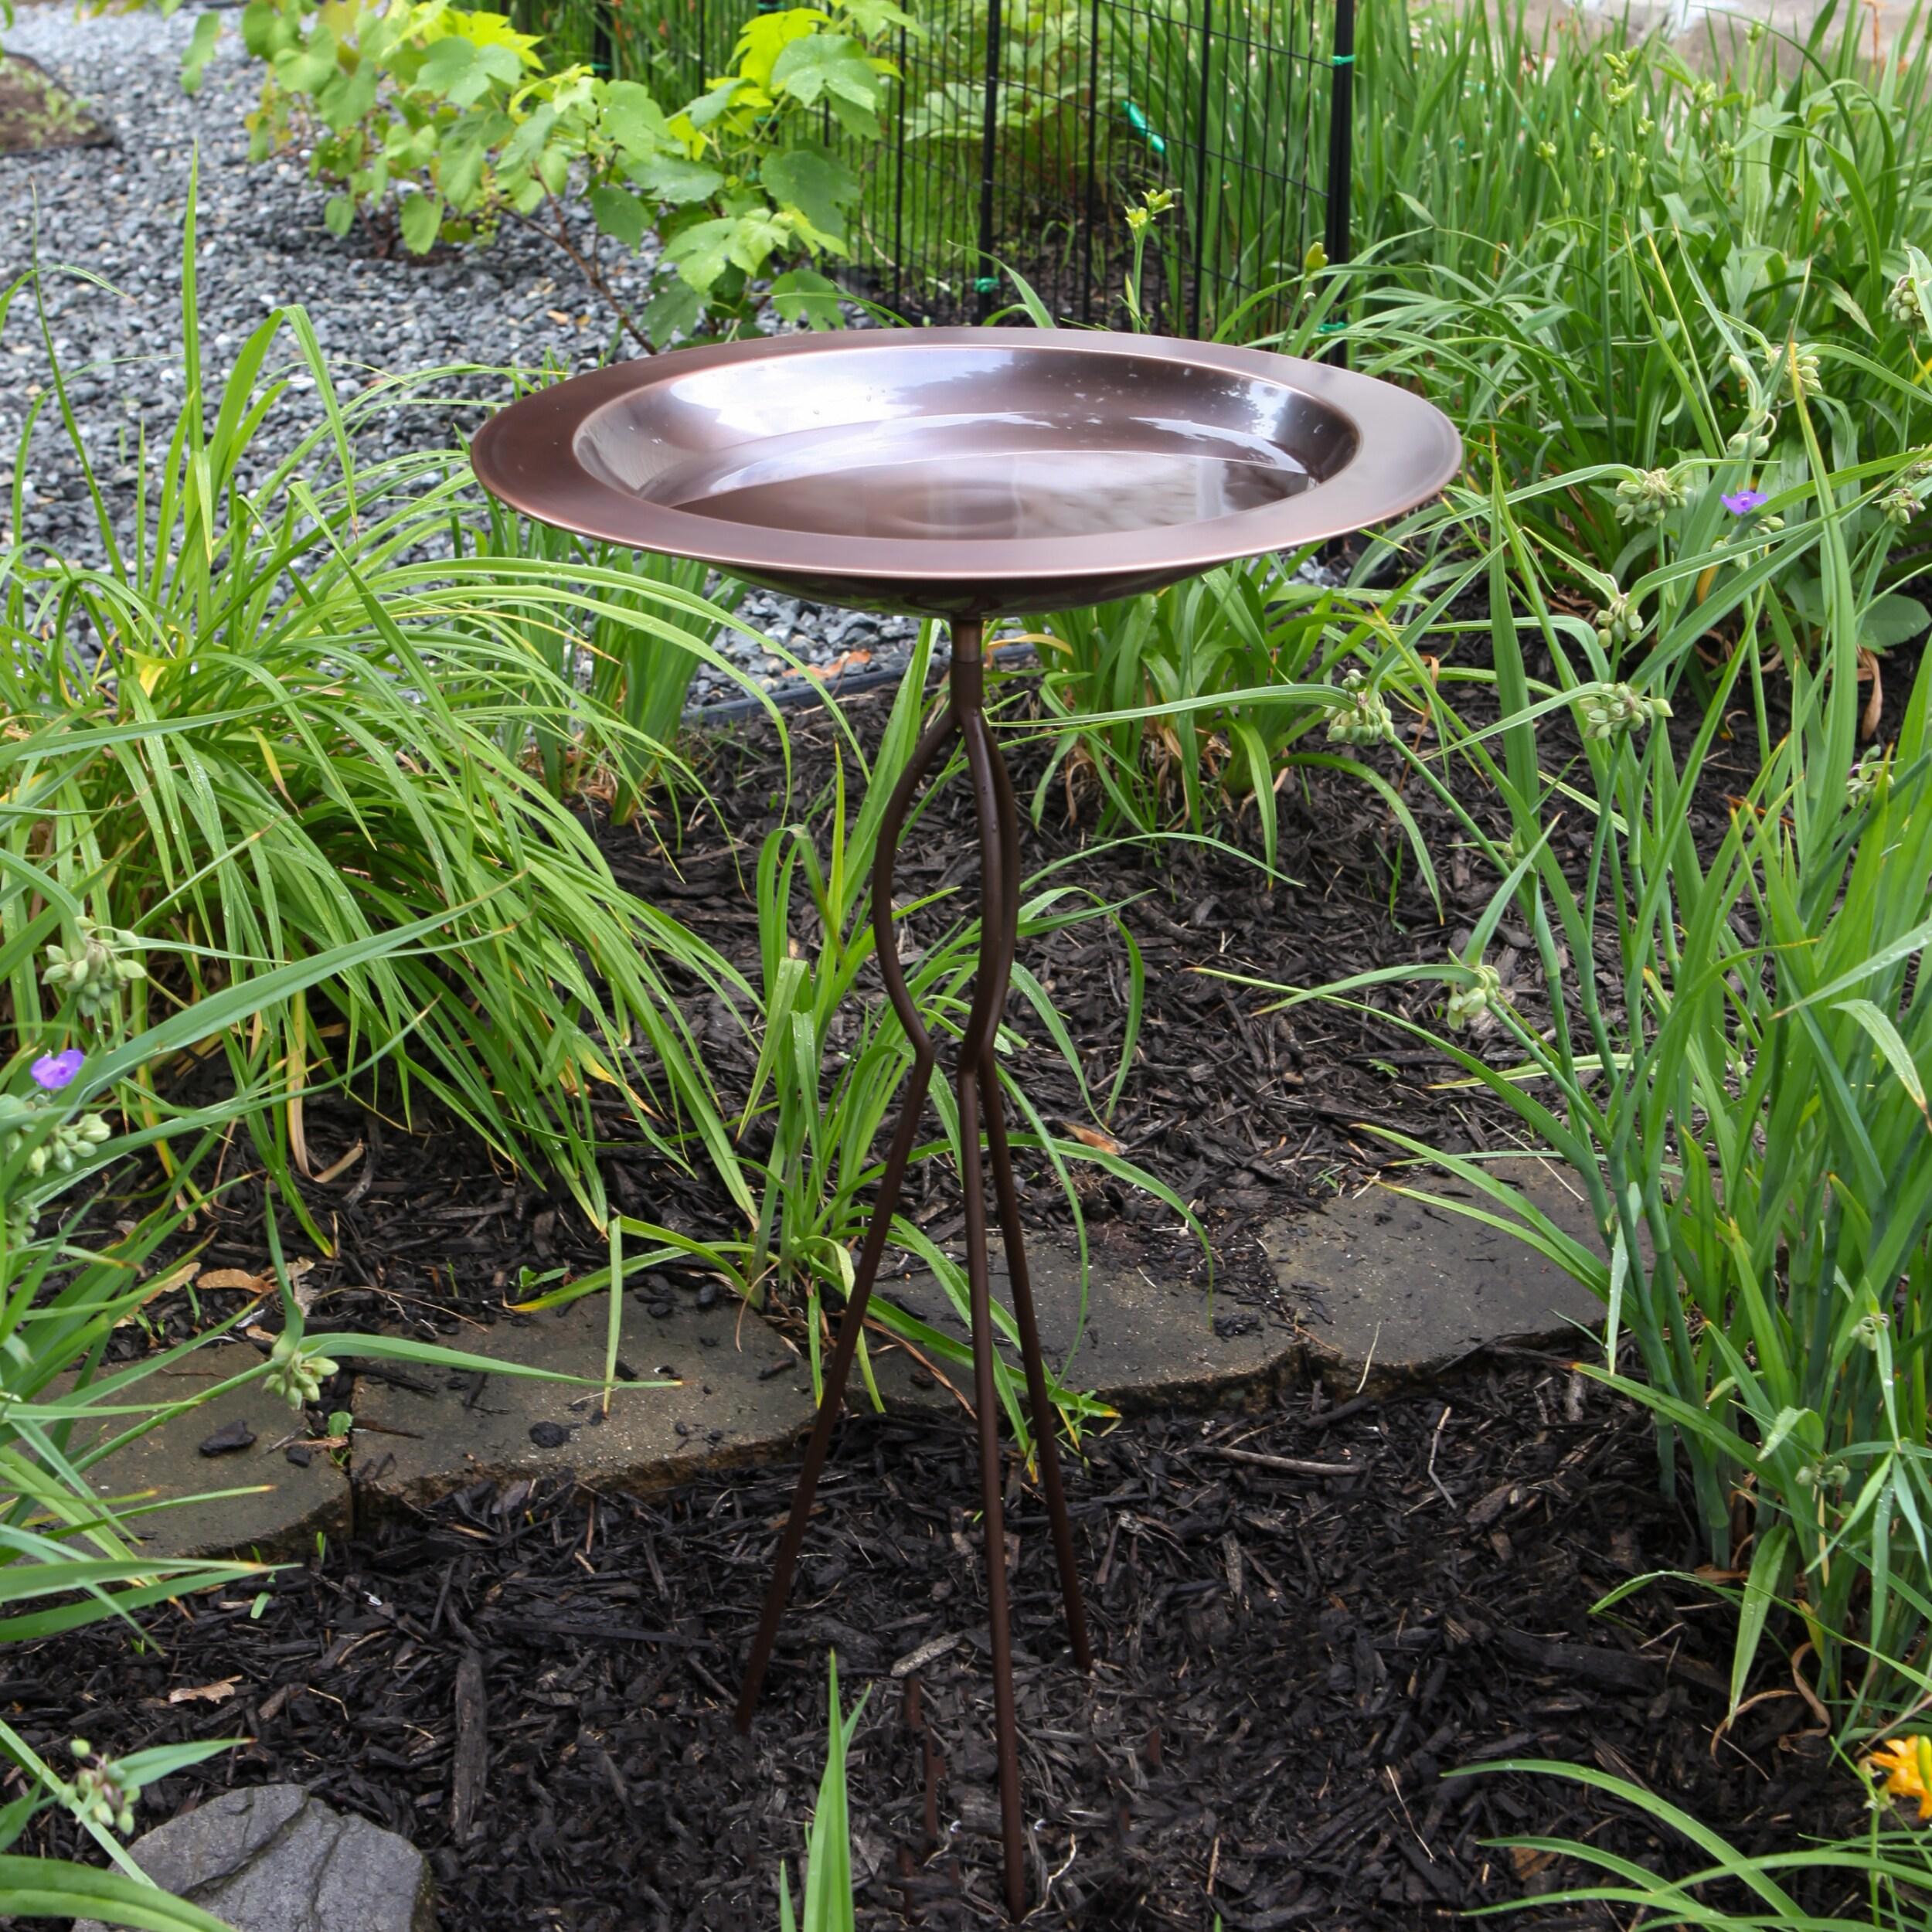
[
  {"x": 1743, "y": 502},
  {"x": 53, "y": 1071}
]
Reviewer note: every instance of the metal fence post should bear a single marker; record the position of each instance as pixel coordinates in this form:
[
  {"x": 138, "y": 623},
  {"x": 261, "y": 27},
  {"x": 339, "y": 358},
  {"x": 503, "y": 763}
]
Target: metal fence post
[
  {"x": 898, "y": 182},
  {"x": 1203, "y": 162},
  {"x": 986, "y": 274},
  {"x": 1340, "y": 144},
  {"x": 603, "y": 51},
  {"x": 1092, "y": 184}
]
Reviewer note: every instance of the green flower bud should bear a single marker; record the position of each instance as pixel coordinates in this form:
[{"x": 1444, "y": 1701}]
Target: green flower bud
[
  {"x": 1476, "y": 996},
  {"x": 1649, "y": 497},
  {"x": 1365, "y": 720},
  {"x": 1902, "y": 304},
  {"x": 297, "y": 1373},
  {"x": 1900, "y": 507},
  {"x": 1609, "y": 710}
]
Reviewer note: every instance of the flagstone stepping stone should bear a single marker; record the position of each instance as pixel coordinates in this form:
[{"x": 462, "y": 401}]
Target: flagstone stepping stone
[
  {"x": 240, "y": 1441},
  {"x": 1388, "y": 1290},
  {"x": 1378, "y": 1290},
  {"x": 421, "y": 1433},
  {"x": 1139, "y": 1342},
  {"x": 272, "y": 1859}
]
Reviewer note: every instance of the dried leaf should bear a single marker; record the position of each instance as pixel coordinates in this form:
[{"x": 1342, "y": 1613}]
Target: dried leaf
[
  {"x": 1093, "y": 1137},
  {"x": 236, "y": 1278},
  {"x": 204, "y": 1693},
  {"x": 336, "y": 1168}
]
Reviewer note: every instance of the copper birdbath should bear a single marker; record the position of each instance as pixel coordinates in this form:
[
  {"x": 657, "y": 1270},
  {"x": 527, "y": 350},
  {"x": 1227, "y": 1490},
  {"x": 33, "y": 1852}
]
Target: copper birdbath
[{"x": 963, "y": 474}]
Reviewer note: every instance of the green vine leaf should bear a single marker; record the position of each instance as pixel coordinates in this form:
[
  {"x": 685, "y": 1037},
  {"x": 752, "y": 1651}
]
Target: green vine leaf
[
  {"x": 620, "y": 215},
  {"x": 422, "y": 216},
  {"x": 820, "y": 187}
]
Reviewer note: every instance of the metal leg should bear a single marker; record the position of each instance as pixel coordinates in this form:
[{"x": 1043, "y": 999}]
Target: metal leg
[
  {"x": 978, "y": 1078},
  {"x": 852, "y": 1322},
  {"x": 1006, "y": 1196}
]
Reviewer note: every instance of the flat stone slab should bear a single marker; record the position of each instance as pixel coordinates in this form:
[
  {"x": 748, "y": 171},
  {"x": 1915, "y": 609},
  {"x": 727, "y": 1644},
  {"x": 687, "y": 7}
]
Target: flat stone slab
[
  {"x": 37, "y": 113},
  {"x": 273, "y": 1860},
  {"x": 422, "y": 1432},
  {"x": 1145, "y": 1343},
  {"x": 1389, "y": 1290},
  {"x": 291, "y": 1503}
]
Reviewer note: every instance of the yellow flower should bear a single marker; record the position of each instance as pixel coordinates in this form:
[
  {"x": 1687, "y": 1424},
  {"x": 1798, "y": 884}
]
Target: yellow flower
[{"x": 1907, "y": 1762}]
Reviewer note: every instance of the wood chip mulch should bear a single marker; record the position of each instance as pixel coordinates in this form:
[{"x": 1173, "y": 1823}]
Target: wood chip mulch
[{"x": 535, "y": 1686}]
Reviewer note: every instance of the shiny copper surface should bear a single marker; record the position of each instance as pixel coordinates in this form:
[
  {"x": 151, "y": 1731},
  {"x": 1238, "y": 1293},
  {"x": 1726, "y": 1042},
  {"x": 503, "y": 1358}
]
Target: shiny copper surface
[{"x": 966, "y": 472}]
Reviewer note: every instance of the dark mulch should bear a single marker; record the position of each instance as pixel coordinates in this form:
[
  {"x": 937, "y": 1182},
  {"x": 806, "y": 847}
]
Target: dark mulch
[
  {"x": 36, "y": 112},
  {"x": 1290, "y": 1665}
]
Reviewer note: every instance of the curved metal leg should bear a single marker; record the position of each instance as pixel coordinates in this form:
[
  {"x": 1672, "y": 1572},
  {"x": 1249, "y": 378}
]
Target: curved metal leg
[
  {"x": 852, "y": 1321},
  {"x": 1046, "y": 1419},
  {"x": 978, "y": 1079},
  {"x": 976, "y": 1053}
]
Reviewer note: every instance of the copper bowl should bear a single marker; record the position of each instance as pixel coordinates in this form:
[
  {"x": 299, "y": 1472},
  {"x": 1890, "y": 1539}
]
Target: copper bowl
[{"x": 966, "y": 472}]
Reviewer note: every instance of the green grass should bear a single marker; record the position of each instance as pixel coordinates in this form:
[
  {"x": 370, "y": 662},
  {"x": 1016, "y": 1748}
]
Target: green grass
[
  {"x": 1595, "y": 260},
  {"x": 322, "y": 707}
]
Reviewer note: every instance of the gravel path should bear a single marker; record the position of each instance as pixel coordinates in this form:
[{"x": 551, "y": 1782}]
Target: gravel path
[{"x": 118, "y": 212}]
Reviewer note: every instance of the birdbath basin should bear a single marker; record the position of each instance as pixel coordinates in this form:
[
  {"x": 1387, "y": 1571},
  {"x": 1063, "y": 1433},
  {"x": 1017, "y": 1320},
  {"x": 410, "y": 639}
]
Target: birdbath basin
[{"x": 966, "y": 472}]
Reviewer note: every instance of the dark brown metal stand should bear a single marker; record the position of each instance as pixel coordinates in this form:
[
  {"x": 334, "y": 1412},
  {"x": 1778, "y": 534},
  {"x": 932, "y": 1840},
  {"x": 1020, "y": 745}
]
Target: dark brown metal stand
[{"x": 977, "y": 1077}]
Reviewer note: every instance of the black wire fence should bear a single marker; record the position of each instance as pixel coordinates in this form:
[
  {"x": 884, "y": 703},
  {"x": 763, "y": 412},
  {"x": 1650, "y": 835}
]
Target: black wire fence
[{"x": 1021, "y": 130}]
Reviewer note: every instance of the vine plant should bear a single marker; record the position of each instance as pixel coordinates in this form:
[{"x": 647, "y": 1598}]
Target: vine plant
[{"x": 435, "y": 123}]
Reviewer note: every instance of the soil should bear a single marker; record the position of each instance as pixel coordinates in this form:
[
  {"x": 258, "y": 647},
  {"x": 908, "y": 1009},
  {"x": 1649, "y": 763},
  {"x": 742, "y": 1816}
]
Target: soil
[
  {"x": 1291, "y": 1667},
  {"x": 36, "y": 112}
]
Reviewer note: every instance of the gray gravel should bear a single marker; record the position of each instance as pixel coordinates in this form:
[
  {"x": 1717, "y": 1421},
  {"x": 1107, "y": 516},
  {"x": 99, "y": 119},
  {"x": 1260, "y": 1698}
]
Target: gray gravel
[{"x": 118, "y": 212}]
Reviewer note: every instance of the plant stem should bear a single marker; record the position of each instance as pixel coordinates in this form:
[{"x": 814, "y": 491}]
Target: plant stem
[{"x": 560, "y": 237}]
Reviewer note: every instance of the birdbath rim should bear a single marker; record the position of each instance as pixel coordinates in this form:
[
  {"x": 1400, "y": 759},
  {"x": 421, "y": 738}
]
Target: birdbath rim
[{"x": 1104, "y": 425}]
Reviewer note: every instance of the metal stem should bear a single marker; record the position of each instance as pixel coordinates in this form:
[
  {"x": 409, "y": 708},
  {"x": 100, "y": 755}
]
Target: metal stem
[
  {"x": 852, "y": 1321},
  {"x": 977, "y": 1079}
]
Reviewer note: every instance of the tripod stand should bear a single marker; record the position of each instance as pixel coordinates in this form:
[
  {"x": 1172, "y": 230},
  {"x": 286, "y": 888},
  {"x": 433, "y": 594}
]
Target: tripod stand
[{"x": 977, "y": 1077}]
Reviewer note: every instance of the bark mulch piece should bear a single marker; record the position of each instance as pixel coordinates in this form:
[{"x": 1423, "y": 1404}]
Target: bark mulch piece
[
  {"x": 37, "y": 113},
  {"x": 535, "y": 1686}
]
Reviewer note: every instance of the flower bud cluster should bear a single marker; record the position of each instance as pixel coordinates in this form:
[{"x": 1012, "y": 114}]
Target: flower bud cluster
[
  {"x": 102, "y": 1793},
  {"x": 296, "y": 1372},
  {"x": 1649, "y": 497},
  {"x": 97, "y": 969},
  {"x": 1469, "y": 1002},
  {"x": 1619, "y": 622},
  {"x": 62, "y": 1150},
  {"x": 1611, "y": 709},
  {"x": 1365, "y": 720}
]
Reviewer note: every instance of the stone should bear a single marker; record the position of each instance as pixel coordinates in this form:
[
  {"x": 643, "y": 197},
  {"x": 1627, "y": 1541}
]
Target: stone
[
  {"x": 422, "y": 1432},
  {"x": 272, "y": 1859},
  {"x": 285, "y": 1505},
  {"x": 1146, "y": 1343},
  {"x": 1387, "y": 1289}
]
